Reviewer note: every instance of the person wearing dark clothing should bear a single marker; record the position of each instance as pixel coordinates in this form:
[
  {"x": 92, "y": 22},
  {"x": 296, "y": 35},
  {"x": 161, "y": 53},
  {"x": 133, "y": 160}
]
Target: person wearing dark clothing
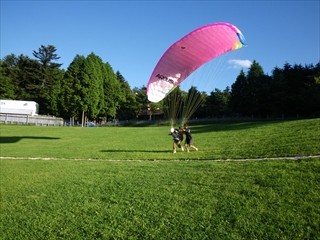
[
  {"x": 188, "y": 142},
  {"x": 176, "y": 140}
]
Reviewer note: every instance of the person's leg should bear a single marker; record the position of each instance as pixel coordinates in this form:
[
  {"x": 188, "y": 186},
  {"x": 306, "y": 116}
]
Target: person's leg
[
  {"x": 194, "y": 147},
  {"x": 174, "y": 147},
  {"x": 182, "y": 149},
  {"x": 186, "y": 146}
]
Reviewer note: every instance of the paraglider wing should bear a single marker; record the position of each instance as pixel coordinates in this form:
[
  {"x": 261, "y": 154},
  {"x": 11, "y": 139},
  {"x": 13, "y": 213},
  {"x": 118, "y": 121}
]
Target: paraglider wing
[{"x": 188, "y": 54}]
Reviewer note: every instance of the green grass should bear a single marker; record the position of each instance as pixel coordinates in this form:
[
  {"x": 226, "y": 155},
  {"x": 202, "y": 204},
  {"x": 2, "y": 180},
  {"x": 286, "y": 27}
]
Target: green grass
[
  {"x": 215, "y": 141},
  {"x": 160, "y": 200},
  {"x": 89, "y": 189}
]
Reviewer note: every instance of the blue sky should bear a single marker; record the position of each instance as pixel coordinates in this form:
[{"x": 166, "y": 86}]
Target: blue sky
[{"x": 133, "y": 35}]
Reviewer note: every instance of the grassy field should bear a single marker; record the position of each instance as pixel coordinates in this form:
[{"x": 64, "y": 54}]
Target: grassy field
[
  {"x": 215, "y": 141},
  {"x": 89, "y": 190}
]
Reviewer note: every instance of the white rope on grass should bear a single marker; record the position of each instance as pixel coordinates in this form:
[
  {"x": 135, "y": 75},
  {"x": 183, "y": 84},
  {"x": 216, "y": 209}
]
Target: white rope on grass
[{"x": 155, "y": 160}]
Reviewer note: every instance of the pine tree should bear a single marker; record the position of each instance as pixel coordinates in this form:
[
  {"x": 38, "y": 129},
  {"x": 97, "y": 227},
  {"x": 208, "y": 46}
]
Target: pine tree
[
  {"x": 128, "y": 105},
  {"x": 72, "y": 89},
  {"x": 50, "y": 79},
  {"x": 113, "y": 95}
]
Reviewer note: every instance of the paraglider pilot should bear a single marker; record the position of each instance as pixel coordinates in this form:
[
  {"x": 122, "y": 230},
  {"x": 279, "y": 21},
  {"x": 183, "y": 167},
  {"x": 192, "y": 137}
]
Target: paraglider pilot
[
  {"x": 176, "y": 140},
  {"x": 188, "y": 143}
]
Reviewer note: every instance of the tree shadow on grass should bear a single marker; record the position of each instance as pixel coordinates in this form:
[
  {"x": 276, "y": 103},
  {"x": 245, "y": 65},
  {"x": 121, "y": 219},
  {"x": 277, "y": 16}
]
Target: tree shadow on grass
[
  {"x": 15, "y": 139},
  {"x": 229, "y": 126},
  {"x": 136, "y": 151}
]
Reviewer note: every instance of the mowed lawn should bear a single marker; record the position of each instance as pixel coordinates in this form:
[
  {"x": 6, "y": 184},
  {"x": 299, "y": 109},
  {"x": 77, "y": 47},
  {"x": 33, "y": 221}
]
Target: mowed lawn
[
  {"x": 215, "y": 141},
  {"x": 78, "y": 183}
]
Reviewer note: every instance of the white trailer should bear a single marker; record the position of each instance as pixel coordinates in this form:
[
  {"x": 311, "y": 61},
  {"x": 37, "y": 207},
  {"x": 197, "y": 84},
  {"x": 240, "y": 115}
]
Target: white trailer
[{"x": 29, "y": 108}]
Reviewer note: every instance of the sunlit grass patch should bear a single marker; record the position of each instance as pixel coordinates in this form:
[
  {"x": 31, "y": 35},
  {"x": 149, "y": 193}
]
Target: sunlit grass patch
[
  {"x": 160, "y": 200},
  {"x": 215, "y": 141},
  {"x": 125, "y": 182}
]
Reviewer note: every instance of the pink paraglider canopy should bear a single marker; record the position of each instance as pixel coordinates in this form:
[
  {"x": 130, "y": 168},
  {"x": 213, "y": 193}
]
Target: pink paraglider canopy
[{"x": 189, "y": 53}]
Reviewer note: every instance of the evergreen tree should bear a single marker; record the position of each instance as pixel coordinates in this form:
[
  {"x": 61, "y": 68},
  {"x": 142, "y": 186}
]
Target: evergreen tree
[
  {"x": 113, "y": 95},
  {"x": 73, "y": 91},
  {"x": 295, "y": 90},
  {"x": 142, "y": 101},
  {"x": 46, "y": 56},
  {"x": 239, "y": 92},
  {"x": 27, "y": 79},
  {"x": 95, "y": 93},
  {"x": 255, "y": 80},
  {"x": 128, "y": 105},
  {"x": 7, "y": 88},
  {"x": 217, "y": 103},
  {"x": 50, "y": 79},
  {"x": 313, "y": 90},
  {"x": 248, "y": 91}
]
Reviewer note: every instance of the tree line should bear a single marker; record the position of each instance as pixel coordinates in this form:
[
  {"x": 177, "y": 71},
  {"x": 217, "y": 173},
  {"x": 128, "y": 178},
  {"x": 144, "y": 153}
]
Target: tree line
[
  {"x": 90, "y": 89},
  {"x": 290, "y": 91},
  {"x": 87, "y": 89}
]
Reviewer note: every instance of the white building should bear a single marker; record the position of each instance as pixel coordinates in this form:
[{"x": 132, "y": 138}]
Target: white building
[{"x": 19, "y": 107}]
